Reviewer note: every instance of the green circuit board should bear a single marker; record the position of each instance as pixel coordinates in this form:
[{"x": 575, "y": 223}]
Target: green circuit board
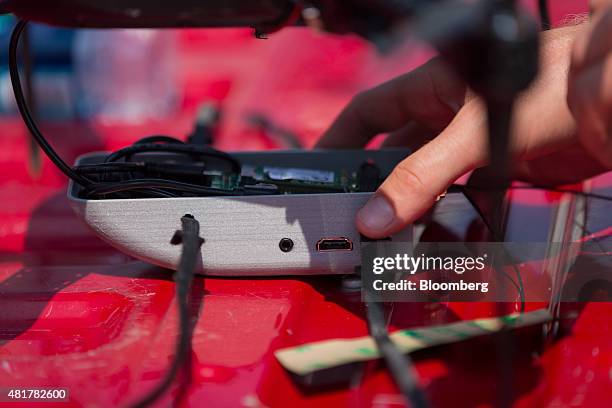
[{"x": 290, "y": 180}]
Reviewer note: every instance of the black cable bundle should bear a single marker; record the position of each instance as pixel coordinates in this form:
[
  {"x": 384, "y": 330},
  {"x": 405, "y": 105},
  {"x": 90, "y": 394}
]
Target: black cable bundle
[
  {"x": 189, "y": 237},
  {"x": 180, "y": 171},
  {"x": 155, "y": 179}
]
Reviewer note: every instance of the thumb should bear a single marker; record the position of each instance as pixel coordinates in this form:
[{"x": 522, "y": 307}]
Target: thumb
[{"x": 415, "y": 183}]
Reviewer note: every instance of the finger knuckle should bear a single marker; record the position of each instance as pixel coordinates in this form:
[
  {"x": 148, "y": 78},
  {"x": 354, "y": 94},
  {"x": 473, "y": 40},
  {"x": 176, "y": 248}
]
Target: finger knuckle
[{"x": 408, "y": 178}]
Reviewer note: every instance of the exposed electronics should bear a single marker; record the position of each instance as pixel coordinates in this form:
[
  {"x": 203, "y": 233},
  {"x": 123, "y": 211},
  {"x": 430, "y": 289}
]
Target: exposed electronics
[{"x": 286, "y": 212}]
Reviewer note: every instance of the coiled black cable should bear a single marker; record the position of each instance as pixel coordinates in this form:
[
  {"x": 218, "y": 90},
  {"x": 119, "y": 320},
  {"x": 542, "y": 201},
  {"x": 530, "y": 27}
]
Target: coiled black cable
[{"x": 165, "y": 147}]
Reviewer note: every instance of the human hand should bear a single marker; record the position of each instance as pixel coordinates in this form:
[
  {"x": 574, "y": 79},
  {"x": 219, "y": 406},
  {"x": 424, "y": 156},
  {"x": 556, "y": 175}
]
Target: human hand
[
  {"x": 434, "y": 113},
  {"x": 590, "y": 83}
]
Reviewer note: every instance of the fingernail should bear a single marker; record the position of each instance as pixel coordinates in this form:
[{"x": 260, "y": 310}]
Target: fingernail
[{"x": 377, "y": 214}]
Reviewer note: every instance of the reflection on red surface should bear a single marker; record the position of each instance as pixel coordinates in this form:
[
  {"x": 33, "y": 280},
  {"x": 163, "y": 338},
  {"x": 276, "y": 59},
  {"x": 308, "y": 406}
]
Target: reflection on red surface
[
  {"x": 75, "y": 313},
  {"x": 67, "y": 323}
]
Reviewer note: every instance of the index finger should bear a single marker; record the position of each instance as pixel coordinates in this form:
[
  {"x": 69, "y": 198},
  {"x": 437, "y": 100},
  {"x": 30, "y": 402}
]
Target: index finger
[{"x": 431, "y": 95}]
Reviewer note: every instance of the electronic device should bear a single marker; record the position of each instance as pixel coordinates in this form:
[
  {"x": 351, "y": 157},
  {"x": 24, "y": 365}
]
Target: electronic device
[
  {"x": 261, "y": 213},
  {"x": 282, "y": 211},
  {"x": 306, "y": 228},
  {"x": 140, "y": 205}
]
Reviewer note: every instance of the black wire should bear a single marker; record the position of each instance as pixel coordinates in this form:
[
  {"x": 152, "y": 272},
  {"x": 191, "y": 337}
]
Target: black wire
[
  {"x": 464, "y": 189},
  {"x": 189, "y": 237},
  {"x": 145, "y": 193},
  {"x": 104, "y": 188},
  {"x": 186, "y": 170},
  {"x": 544, "y": 14},
  {"x": 519, "y": 286},
  {"x": 155, "y": 139},
  {"x": 158, "y": 139},
  {"x": 151, "y": 143},
  {"x": 565, "y": 190},
  {"x": 399, "y": 364},
  {"x": 460, "y": 187},
  {"x": 119, "y": 167},
  {"x": 157, "y": 143},
  {"x": 28, "y": 119},
  {"x": 174, "y": 148}
]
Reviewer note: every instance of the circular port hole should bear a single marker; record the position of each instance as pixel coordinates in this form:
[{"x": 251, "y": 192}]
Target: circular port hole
[{"x": 285, "y": 244}]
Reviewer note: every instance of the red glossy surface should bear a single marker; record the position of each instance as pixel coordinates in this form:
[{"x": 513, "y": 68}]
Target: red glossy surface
[{"x": 76, "y": 313}]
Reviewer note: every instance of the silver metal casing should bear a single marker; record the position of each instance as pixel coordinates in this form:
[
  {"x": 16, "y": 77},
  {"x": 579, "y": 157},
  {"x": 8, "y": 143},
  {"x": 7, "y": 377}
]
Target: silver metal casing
[{"x": 242, "y": 234}]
